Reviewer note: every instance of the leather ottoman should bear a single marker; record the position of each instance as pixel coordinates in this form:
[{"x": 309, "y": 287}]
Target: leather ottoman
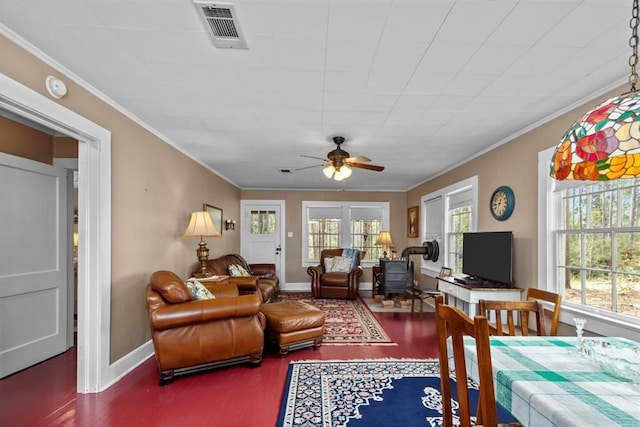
[{"x": 293, "y": 324}]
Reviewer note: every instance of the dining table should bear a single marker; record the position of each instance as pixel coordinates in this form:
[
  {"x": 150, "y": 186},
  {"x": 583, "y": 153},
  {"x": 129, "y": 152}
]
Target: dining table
[{"x": 548, "y": 381}]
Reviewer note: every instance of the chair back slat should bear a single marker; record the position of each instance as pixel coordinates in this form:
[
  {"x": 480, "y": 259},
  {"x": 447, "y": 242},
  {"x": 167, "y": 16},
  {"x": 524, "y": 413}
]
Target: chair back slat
[
  {"x": 553, "y": 298},
  {"x": 515, "y": 311}
]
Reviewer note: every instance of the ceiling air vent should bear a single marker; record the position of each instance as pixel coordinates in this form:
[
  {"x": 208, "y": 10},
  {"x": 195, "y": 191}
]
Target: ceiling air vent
[{"x": 222, "y": 23}]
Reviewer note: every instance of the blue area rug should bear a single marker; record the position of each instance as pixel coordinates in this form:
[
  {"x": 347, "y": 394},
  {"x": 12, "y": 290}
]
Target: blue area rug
[{"x": 367, "y": 393}]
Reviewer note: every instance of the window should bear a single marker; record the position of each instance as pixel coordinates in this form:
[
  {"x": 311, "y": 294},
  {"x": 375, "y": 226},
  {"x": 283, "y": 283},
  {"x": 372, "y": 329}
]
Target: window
[
  {"x": 447, "y": 214},
  {"x": 592, "y": 237},
  {"x": 329, "y": 225},
  {"x": 598, "y": 245},
  {"x": 459, "y": 220},
  {"x": 262, "y": 222}
]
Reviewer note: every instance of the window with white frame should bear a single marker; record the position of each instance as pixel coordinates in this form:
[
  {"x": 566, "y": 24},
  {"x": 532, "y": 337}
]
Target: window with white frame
[
  {"x": 329, "y": 225},
  {"x": 447, "y": 214},
  {"x": 592, "y": 232},
  {"x": 459, "y": 220}
]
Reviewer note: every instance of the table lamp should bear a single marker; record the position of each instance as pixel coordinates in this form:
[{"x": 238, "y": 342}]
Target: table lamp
[
  {"x": 201, "y": 226},
  {"x": 384, "y": 240}
]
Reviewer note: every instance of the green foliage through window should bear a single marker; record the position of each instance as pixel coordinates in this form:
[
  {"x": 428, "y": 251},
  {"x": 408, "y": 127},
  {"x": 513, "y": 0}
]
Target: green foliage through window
[
  {"x": 598, "y": 246},
  {"x": 460, "y": 220}
]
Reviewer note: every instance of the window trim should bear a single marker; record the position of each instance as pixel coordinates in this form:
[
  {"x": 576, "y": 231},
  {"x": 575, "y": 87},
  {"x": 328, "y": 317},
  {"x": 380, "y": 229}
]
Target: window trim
[
  {"x": 346, "y": 207},
  {"x": 429, "y": 268},
  {"x": 598, "y": 321}
]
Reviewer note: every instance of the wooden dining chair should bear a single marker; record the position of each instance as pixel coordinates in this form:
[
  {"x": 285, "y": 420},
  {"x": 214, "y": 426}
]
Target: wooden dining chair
[
  {"x": 451, "y": 320},
  {"x": 553, "y": 298},
  {"x": 515, "y": 310}
]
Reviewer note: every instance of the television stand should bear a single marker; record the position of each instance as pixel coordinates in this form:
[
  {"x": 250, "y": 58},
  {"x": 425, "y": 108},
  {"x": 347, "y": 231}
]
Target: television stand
[{"x": 466, "y": 296}]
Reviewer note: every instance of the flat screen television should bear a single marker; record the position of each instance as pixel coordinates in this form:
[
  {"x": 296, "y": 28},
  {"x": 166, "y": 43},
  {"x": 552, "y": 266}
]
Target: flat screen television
[{"x": 488, "y": 256}]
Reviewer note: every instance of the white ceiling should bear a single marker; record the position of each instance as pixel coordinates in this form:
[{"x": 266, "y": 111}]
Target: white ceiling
[{"x": 415, "y": 85}]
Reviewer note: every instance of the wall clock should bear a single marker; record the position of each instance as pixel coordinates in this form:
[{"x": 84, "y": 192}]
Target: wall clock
[{"x": 502, "y": 203}]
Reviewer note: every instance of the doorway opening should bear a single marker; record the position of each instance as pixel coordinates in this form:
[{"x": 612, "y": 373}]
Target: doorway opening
[{"x": 94, "y": 224}]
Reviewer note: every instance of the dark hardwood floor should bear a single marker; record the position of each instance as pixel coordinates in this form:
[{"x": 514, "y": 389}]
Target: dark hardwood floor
[{"x": 45, "y": 395}]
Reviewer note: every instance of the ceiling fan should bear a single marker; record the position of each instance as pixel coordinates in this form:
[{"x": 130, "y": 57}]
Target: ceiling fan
[{"x": 338, "y": 163}]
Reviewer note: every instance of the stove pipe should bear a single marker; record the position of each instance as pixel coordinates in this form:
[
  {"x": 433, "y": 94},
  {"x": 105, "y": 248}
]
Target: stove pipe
[{"x": 430, "y": 251}]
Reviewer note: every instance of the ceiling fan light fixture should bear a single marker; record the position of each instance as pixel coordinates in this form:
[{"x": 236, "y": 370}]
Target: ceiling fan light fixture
[
  {"x": 339, "y": 164},
  {"x": 346, "y": 171},
  {"x": 328, "y": 171},
  {"x": 342, "y": 173}
]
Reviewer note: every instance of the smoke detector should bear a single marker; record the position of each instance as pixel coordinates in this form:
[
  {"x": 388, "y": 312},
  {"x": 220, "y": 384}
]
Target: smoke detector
[{"x": 222, "y": 24}]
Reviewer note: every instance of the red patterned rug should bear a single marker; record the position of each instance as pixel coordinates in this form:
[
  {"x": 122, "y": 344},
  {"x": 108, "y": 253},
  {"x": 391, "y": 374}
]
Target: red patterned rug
[{"x": 346, "y": 321}]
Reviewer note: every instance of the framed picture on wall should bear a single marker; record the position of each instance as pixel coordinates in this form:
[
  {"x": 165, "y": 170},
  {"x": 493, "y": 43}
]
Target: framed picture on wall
[
  {"x": 412, "y": 221},
  {"x": 216, "y": 216}
]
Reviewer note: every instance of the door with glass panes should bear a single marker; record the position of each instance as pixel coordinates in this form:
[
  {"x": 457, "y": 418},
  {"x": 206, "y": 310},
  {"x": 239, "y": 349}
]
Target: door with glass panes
[{"x": 262, "y": 239}]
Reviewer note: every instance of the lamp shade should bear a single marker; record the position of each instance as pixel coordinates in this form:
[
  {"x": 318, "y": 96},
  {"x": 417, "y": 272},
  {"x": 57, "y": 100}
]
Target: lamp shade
[
  {"x": 384, "y": 239},
  {"x": 342, "y": 174},
  {"x": 201, "y": 225},
  {"x": 339, "y": 174},
  {"x": 602, "y": 145}
]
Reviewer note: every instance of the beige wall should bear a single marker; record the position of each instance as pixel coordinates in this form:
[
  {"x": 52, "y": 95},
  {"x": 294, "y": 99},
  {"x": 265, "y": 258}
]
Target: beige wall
[
  {"x": 154, "y": 190},
  {"x": 514, "y": 164},
  {"x": 22, "y": 141},
  {"x": 295, "y": 273}
]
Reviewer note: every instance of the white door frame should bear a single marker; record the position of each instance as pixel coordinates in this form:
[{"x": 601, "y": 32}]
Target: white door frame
[
  {"x": 281, "y": 225},
  {"x": 94, "y": 225}
]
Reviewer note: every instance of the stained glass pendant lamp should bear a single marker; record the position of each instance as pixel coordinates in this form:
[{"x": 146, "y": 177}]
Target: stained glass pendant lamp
[{"x": 604, "y": 144}]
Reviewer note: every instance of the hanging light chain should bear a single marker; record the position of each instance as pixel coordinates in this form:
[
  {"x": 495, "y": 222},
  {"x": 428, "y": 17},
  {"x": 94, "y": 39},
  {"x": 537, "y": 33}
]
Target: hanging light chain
[{"x": 633, "y": 42}]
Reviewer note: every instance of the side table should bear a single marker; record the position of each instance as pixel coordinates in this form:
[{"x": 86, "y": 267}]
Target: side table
[
  {"x": 375, "y": 274},
  {"x": 214, "y": 279}
]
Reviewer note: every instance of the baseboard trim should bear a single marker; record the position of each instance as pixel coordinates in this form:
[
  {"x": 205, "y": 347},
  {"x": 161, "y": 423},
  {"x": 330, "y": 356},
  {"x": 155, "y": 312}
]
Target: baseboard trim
[
  {"x": 128, "y": 363},
  {"x": 306, "y": 287}
]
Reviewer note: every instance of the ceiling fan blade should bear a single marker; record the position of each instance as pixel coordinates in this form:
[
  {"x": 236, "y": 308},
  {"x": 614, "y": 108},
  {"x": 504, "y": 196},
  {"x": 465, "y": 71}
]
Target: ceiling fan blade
[
  {"x": 368, "y": 167},
  {"x": 324, "y": 159},
  {"x": 306, "y": 167},
  {"x": 358, "y": 159}
]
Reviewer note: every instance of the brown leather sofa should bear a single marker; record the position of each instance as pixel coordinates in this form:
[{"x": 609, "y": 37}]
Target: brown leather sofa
[
  {"x": 191, "y": 335},
  {"x": 334, "y": 284},
  {"x": 263, "y": 277}
]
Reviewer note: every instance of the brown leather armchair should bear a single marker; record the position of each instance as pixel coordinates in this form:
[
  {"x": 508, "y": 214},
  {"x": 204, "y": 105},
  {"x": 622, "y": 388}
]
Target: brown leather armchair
[
  {"x": 191, "y": 335},
  {"x": 334, "y": 284}
]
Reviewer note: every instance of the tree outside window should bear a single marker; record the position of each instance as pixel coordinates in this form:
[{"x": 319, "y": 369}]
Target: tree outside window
[{"x": 598, "y": 246}]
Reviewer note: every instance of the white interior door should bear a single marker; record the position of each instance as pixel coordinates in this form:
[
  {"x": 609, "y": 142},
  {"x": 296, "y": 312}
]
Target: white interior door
[
  {"x": 33, "y": 262},
  {"x": 261, "y": 228}
]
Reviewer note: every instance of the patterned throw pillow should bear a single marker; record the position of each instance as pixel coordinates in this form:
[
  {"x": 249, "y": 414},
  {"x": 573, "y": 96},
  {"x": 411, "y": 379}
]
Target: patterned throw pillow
[
  {"x": 353, "y": 254},
  {"x": 340, "y": 265},
  {"x": 236, "y": 270},
  {"x": 199, "y": 291},
  {"x": 328, "y": 264}
]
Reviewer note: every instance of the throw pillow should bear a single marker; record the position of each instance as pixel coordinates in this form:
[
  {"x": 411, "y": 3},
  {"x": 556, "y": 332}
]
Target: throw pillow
[
  {"x": 236, "y": 270},
  {"x": 328, "y": 264},
  {"x": 340, "y": 265},
  {"x": 199, "y": 291},
  {"x": 353, "y": 254}
]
